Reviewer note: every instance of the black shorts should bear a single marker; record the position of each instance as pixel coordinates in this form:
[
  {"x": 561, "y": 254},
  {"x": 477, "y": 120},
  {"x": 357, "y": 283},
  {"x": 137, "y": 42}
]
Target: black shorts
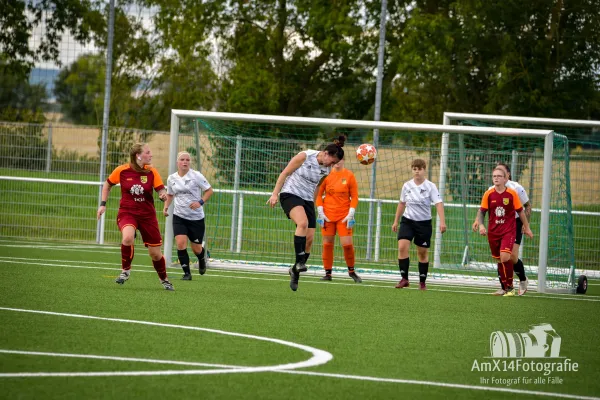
[
  {"x": 193, "y": 229},
  {"x": 420, "y": 231},
  {"x": 519, "y": 235},
  {"x": 289, "y": 201}
]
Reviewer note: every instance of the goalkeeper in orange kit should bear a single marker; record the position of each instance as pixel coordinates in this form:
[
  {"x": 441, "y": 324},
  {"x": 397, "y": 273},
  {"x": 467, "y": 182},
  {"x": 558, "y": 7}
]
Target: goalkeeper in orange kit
[{"x": 336, "y": 202}]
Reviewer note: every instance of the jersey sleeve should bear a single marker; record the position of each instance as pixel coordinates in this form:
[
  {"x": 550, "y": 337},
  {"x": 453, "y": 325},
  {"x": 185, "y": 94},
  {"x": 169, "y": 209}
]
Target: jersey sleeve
[
  {"x": 435, "y": 195},
  {"x": 170, "y": 185},
  {"x": 516, "y": 200},
  {"x": 353, "y": 186},
  {"x": 319, "y": 199},
  {"x": 158, "y": 182},
  {"x": 522, "y": 195},
  {"x": 403, "y": 194},
  {"x": 115, "y": 176},
  {"x": 485, "y": 201},
  {"x": 201, "y": 181}
]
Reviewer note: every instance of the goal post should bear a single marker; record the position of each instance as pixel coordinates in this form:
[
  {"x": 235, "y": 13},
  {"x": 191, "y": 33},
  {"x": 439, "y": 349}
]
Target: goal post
[
  {"x": 243, "y": 154},
  {"x": 557, "y": 252}
]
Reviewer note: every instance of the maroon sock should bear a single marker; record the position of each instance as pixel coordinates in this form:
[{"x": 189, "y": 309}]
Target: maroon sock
[
  {"x": 502, "y": 275},
  {"x": 510, "y": 272},
  {"x": 161, "y": 268},
  {"x": 126, "y": 257}
]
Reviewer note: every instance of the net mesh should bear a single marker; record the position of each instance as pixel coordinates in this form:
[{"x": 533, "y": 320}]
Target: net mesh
[
  {"x": 525, "y": 156},
  {"x": 248, "y": 157}
]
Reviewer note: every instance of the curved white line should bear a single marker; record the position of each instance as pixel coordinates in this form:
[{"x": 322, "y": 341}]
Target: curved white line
[
  {"x": 128, "y": 359},
  {"x": 319, "y": 357}
]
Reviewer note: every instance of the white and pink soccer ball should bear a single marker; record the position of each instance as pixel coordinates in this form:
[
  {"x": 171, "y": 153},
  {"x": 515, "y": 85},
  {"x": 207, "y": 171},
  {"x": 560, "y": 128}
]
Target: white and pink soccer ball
[{"x": 366, "y": 153}]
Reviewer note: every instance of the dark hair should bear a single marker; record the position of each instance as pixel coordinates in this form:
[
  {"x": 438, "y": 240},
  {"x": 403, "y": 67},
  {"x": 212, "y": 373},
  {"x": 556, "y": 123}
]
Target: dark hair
[
  {"x": 335, "y": 148},
  {"x": 418, "y": 163},
  {"x": 501, "y": 164}
]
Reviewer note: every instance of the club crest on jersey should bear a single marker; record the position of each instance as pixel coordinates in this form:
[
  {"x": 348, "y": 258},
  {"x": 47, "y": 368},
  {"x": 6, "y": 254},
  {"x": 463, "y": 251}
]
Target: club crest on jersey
[
  {"x": 505, "y": 201},
  {"x": 343, "y": 181},
  {"x": 144, "y": 179}
]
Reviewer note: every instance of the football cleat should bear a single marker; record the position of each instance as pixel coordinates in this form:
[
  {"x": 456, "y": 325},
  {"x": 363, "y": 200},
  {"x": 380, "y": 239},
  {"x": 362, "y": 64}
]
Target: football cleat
[
  {"x": 355, "y": 277},
  {"x": 186, "y": 277},
  {"x": 167, "y": 285},
  {"x": 510, "y": 292},
  {"x": 202, "y": 263},
  {"x": 402, "y": 284},
  {"x": 294, "y": 278},
  {"x": 302, "y": 267},
  {"x": 422, "y": 286},
  {"x": 123, "y": 276},
  {"x": 326, "y": 278},
  {"x": 523, "y": 287},
  {"x": 500, "y": 292}
]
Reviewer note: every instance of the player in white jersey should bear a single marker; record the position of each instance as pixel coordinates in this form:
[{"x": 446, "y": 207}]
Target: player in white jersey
[
  {"x": 414, "y": 207},
  {"x": 514, "y": 257},
  {"x": 296, "y": 187},
  {"x": 185, "y": 187}
]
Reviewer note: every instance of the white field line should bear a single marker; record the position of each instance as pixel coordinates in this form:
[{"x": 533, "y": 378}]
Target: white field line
[
  {"x": 310, "y": 280},
  {"x": 319, "y": 357}
]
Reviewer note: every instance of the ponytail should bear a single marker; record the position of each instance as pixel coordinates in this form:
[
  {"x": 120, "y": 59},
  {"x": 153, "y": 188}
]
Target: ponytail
[{"x": 335, "y": 148}]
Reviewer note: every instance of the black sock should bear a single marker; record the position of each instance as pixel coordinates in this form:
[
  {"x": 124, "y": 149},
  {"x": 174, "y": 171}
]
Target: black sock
[
  {"x": 520, "y": 270},
  {"x": 300, "y": 246},
  {"x": 328, "y": 272},
  {"x": 403, "y": 264},
  {"x": 423, "y": 269},
  {"x": 350, "y": 270},
  {"x": 306, "y": 255},
  {"x": 184, "y": 260},
  {"x": 201, "y": 259}
]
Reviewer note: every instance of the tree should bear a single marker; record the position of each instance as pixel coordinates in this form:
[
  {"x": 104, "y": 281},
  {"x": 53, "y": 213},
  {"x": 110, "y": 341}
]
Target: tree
[
  {"x": 537, "y": 58},
  {"x": 19, "y": 100},
  {"x": 19, "y": 18},
  {"x": 80, "y": 90}
]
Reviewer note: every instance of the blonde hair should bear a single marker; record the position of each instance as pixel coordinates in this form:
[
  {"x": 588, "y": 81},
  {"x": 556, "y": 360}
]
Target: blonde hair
[
  {"x": 134, "y": 152},
  {"x": 182, "y": 153},
  {"x": 501, "y": 168}
]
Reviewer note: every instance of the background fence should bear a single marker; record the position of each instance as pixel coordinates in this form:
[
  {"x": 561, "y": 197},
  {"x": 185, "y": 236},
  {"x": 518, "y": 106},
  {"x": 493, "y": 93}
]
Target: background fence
[{"x": 45, "y": 210}]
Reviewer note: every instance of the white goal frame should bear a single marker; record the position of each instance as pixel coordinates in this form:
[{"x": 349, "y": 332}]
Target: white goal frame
[
  {"x": 444, "y": 130},
  {"x": 546, "y": 195}
]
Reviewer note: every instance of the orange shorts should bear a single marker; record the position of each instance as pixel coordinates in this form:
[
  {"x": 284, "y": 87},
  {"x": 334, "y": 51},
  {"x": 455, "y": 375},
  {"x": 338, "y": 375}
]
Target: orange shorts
[
  {"x": 148, "y": 227},
  {"x": 332, "y": 227}
]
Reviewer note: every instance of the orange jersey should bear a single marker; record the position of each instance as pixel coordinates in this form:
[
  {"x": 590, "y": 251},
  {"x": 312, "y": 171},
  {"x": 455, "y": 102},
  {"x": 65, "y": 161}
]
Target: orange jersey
[
  {"x": 136, "y": 188},
  {"x": 340, "y": 192}
]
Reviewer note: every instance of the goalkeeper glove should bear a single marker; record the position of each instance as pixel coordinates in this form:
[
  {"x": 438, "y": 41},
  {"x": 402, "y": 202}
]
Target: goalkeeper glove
[
  {"x": 349, "y": 220},
  {"x": 322, "y": 217}
]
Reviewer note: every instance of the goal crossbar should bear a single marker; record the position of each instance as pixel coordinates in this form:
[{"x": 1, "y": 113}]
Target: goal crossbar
[{"x": 443, "y": 130}]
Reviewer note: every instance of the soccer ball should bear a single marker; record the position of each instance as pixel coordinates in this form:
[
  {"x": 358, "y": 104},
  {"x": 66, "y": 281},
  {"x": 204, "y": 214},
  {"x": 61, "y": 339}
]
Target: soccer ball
[{"x": 366, "y": 153}]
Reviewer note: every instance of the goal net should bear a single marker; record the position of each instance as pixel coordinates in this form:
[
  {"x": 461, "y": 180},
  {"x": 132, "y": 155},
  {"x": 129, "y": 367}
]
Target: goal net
[
  {"x": 525, "y": 157},
  {"x": 242, "y": 155}
]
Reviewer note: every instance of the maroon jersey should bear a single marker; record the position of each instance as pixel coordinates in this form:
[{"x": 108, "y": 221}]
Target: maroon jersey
[
  {"x": 502, "y": 207},
  {"x": 136, "y": 189}
]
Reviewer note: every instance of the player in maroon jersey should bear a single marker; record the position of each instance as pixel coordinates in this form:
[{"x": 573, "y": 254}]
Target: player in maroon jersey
[
  {"x": 502, "y": 202},
  {"x": 136, "y": 210}
]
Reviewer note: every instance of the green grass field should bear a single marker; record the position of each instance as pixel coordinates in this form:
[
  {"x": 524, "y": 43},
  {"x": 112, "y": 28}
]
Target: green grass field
[{"x": 68, "y": 331}]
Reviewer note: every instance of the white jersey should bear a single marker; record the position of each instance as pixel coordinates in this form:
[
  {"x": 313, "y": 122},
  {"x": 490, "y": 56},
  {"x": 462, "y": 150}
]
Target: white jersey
[
  {"x": 303, "y": 181},
  {"x": 516, "y": 186},
  {"x": 186, "y": 190},
  {"x": 418, "y": 199}
]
